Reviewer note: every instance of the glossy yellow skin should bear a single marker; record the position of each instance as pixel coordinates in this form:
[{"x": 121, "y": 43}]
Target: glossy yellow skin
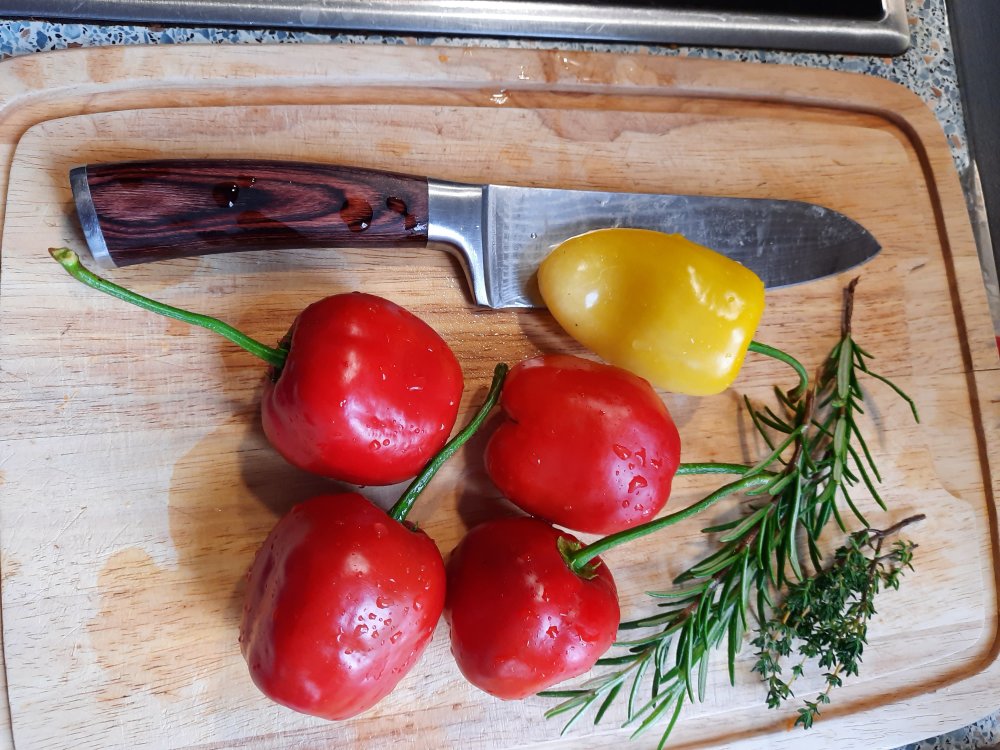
[{"x": 674, "y": 312}]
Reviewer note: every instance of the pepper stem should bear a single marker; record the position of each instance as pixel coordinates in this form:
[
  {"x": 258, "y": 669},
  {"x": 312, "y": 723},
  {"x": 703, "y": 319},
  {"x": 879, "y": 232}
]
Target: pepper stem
[
  {"x": 711, "y": 467},
  {"x": 69, "y": 260},
  {"x": 578, "y": 559},
  {"x": 796, "y": 393},
  {"x": 403, "y": 506}
]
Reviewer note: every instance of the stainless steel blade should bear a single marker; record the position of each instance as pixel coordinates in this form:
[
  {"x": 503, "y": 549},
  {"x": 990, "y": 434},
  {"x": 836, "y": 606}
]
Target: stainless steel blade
[{"x": 783, "y": 242}]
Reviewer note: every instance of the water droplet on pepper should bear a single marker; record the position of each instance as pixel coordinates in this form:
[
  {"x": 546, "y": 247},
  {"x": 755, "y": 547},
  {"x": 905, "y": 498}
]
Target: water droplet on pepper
[{"x": 636, "y": 484}]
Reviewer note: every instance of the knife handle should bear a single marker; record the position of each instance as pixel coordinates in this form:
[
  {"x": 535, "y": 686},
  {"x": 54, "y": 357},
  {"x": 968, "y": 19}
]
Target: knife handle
[{"x": 137, "y": 212}]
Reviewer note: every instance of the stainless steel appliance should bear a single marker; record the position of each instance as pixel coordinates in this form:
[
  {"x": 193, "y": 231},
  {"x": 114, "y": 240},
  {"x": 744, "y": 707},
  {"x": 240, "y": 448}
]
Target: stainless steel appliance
[{"x": 858, "y": 26}]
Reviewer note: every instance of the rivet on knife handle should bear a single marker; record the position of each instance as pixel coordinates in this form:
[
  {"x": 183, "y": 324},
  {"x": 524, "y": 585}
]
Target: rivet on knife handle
[{"x": 136, "y": 212}]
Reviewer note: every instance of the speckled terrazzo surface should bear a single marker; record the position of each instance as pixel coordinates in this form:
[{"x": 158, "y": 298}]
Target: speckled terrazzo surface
[{"x": 927, "y": 68}]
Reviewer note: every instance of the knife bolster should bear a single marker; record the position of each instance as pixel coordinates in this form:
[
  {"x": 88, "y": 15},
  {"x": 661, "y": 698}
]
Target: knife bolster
[{"x": 457, "y": 221}]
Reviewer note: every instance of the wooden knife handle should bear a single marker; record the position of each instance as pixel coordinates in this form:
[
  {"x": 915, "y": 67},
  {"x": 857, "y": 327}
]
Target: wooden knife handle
[{"x": 137, "y": 212}]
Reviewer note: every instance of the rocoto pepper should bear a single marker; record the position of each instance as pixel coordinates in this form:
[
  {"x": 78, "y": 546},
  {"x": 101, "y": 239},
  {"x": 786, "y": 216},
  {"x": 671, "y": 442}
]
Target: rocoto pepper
[
  {"x": 674, "y": 312},
  {"x": 341, "y": 601},
  {"x": 520, "y": 618},
  {"x": 368, "y": 394},
  {"x": 583, "y": 444}
]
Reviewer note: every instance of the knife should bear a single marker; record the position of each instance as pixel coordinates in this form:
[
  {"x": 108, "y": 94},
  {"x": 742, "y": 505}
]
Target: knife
[{"x": 137, "y": 212}]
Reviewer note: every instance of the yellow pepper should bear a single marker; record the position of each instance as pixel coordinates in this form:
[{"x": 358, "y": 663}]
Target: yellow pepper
[{"x": 672, "y": 311}]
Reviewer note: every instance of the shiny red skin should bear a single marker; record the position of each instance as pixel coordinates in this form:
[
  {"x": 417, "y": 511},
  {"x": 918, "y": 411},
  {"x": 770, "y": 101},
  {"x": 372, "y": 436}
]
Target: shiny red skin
[
  {"x": 520, "y": 619},
  {"x": 341, "y": 601},
  {"x": 368, "y": 394},
  {"x": 585, "y": 445}
]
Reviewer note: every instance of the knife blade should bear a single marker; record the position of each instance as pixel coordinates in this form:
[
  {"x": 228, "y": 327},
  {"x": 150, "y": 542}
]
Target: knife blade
[{"x": 137, "y": 212}]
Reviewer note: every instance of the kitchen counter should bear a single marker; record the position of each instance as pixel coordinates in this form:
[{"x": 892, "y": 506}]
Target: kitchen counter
[{"x": 927, "y": 68}]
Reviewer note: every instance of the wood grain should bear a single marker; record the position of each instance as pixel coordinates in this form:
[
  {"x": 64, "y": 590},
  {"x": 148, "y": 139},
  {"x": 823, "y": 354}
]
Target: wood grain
[
  {"x": 137, "y": 481},
  {"x": 180, "y": 208}
]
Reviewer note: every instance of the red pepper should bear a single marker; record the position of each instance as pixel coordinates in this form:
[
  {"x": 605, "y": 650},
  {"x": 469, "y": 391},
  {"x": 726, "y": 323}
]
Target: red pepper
[
  {"x": 368, "y": 393},
  {"x": 584, "y": 445},
  {"x": 341, "y": 601},
  {"x": 521, "y": 619}
]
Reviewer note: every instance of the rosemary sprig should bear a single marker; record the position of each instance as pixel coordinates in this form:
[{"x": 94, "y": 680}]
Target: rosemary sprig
[
  {"x": 818, "y": 457},
  {"x": 827, "y": 616}
]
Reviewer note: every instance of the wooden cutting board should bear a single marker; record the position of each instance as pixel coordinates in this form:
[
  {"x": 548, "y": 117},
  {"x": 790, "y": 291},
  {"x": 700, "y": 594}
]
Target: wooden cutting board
[{"x": 137, "y": 483}]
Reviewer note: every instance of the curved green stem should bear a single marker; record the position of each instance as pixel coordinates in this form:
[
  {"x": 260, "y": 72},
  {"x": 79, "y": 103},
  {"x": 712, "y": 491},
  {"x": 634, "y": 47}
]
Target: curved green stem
[
  {"x": 788, "y": 359},
  {"x": 69, "y": 260},
  {"x": 579, "y": 558},
  {"x": 402, "y": 507}
]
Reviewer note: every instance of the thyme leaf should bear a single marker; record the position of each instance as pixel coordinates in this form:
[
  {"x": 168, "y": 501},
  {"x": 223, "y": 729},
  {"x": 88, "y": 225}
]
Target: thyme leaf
[{"x": 825, "y": 618}]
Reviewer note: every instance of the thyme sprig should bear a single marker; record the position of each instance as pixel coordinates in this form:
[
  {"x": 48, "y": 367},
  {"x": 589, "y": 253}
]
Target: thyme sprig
[
  {"x": 825, "y": 618},
  {"x": 817, "y": 459}
]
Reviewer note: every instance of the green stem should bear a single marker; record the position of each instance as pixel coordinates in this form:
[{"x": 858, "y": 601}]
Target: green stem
[
  {"x": 712, "y": 468},
  {"x": 578, "y": 559},
  {"x": 71, "y": 262},
  {"x": 403, "y": 506},
  {"x": 788, "y": 359}
]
